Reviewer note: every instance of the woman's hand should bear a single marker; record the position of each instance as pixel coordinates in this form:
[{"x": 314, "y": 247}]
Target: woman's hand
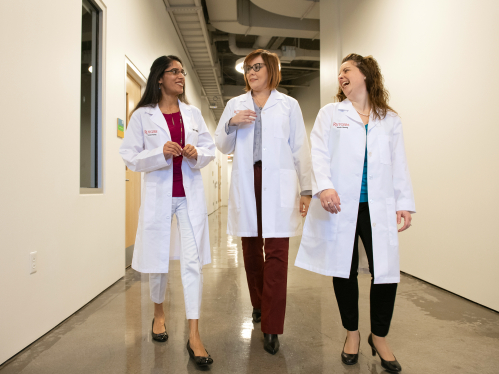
[
  {"x": 407, "y": 219},
  {"x": 243, "y": 117},
  {"x": 330, "y": 201},
  {"x": 190, "y": 152},
  {"x": 172, "y": 149},
  {"x": 304, "y": 204}
]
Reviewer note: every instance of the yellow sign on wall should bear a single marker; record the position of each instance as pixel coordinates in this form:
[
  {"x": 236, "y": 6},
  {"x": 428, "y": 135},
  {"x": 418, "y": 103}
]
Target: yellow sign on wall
[{"x": 121, "y": 128}]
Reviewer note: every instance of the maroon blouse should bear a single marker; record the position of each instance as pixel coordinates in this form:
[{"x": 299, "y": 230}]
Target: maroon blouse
[{"x": 176, "y": 127}]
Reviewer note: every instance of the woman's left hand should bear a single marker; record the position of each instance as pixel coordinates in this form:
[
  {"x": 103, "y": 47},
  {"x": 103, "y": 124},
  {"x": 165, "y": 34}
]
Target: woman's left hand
[
  {"x": 304, "y": 204},
  {"x": 407, "y": 219},
  {"x": 190, "y": 151}
]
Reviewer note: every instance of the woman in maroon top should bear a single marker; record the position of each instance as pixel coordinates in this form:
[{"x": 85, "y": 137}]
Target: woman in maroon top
[{"x": 168, "y": 140}]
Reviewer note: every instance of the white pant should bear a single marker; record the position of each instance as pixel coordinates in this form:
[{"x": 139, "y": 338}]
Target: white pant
[{"x": 190, "y": 265}]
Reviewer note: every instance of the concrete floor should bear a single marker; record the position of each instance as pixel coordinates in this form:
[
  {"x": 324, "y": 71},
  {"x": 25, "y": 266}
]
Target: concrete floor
[{"x": 432, "y": 331}]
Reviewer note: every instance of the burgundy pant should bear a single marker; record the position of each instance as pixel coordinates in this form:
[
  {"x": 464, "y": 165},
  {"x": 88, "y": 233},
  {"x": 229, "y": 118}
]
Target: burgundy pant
[{"x": 267, "y": 279}]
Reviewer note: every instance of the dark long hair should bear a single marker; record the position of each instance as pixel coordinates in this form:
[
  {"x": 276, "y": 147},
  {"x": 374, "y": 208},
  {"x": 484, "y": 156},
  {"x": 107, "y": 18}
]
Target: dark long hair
[
  {"x": 152, "y": 93},
  {"x": 378, "y": 94}
]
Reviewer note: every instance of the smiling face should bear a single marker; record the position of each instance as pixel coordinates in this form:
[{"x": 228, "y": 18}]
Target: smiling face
[
  {"x": 170, "y": 83},
  {"x": 258, "y": 81},
  {"x": 351, "y": 80}
]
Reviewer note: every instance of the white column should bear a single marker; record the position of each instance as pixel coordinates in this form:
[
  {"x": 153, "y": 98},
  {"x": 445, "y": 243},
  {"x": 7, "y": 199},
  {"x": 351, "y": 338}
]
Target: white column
[{"x": 330, "y": 49}]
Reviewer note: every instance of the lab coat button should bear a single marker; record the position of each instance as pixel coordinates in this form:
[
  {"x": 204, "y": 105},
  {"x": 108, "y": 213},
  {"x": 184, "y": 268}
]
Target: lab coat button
[
  {"x": 370, "y": 154},
  {"x": 265, "y": 149},
  {"x": 265, "y": 188},
  {"x": 374, "y": 224},
  {"x": 370, "y": 177},
  {"x": 264, "y": 168}
]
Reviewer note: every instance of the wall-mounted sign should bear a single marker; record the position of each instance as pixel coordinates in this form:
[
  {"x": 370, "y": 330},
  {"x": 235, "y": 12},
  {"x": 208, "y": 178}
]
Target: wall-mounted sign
[{"x": 121, "y": 128}]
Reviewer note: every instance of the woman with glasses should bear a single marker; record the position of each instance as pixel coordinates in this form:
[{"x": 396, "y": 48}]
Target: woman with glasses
[
  {"x": 168, "y": 140},
  {"x": 265, "y": 130}
]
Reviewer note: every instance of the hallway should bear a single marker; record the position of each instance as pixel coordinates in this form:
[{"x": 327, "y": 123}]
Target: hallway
[{"x": 433, "y": 331}]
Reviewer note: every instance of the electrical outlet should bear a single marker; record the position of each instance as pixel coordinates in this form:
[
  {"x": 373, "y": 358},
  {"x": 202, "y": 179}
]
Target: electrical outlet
[{"x": 32, "y": 262}]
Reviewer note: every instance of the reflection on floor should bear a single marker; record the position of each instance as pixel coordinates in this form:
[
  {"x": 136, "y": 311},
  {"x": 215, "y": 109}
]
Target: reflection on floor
[{"x": 433, "y": 331}]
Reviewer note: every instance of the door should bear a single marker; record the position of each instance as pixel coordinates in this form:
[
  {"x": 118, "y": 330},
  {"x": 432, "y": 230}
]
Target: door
[{"x": 132, "y": 178}]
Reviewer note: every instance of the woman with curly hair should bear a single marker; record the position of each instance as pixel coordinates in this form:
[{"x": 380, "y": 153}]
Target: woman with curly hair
[{"x": 361, "y": 187}]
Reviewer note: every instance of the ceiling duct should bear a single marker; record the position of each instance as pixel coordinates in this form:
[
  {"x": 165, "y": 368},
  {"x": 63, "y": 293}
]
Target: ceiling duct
[
  {"x": 244, "y": 17},
  {"x": 286, "y": 53}
]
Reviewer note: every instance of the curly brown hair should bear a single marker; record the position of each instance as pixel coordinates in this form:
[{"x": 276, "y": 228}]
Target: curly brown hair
[{"x": 378, "y": 94}]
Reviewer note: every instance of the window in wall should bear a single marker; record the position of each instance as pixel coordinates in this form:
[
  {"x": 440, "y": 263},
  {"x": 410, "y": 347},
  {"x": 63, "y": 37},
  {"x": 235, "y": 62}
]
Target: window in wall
[{"x": 90, "y": 97}]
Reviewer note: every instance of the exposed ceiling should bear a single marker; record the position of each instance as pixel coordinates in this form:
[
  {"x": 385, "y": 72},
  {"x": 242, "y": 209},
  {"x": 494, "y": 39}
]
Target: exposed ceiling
[{"x": 216, "y": 33}]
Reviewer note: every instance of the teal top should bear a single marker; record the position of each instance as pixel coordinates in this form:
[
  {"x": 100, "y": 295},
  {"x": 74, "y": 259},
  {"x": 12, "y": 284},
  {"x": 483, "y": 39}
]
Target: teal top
[{"x": 363, "y": 189}]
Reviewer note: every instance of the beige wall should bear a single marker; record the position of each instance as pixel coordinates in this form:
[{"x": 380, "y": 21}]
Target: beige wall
[
  {"x": 438, "y": 59},
  {"x": 80, "y": 239}
]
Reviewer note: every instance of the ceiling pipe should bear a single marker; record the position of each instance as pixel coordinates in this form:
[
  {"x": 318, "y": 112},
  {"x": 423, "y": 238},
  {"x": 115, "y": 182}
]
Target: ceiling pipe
[
  {"x": 262, "y": 42},
  {"x": 245, "y": 51}
]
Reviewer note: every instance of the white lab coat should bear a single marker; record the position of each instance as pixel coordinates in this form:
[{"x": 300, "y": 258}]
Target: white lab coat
[
  {"x": 338, "y": 151},
  {"x": 142, "y": 151},
  {"x": 285, "y": 160}
]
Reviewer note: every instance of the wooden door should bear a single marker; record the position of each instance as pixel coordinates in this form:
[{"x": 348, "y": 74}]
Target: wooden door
[{"x": 132, "y": 178}]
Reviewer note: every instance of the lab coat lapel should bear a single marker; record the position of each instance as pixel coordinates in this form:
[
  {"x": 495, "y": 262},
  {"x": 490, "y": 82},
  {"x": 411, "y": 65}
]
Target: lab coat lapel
[
  {"x": 347, "y": 107},
  {"x": 158, "y": 118},
  {"x": 248, "y": 101},
  {"x": 274, "y": 98},
  {"x": 189, "y": 125}
]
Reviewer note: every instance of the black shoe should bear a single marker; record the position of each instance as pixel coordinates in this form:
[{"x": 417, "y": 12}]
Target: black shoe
[
  {"x": 391, "y": 366},
  {"x": 348, "y": 358},
  {"x": 161, "y": 337},
  {"x": 271, "y": 343},
  {"x": 199, "y": 360},
  {"x": 257, "y": 315}
]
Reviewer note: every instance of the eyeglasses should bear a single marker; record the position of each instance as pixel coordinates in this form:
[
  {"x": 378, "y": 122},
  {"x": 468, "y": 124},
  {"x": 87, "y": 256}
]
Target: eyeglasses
[
  {"x": 176, "y": 72},
  {"x": 256, "y": 67}
]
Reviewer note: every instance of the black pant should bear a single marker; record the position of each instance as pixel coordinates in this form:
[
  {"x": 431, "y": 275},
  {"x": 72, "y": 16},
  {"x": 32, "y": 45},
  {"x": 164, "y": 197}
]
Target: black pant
[{"x": 347, "y": 290}]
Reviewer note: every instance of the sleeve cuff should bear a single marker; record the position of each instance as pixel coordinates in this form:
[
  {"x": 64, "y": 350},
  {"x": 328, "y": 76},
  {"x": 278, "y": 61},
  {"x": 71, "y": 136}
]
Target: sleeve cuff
[
  {"x": 229, "y": 129},
  {"x": 306, "y": 193}
]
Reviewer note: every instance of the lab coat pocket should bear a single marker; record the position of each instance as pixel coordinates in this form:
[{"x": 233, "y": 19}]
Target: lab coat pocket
[
  {"x": 281, "y": 127},
  {"x": 384, "y": 149},
  {"x": 150, "y": 204},
  {"x": 192, "y": 138},
  {"x": 289, "y": 189},
  {"x": 391, "y": 216}
]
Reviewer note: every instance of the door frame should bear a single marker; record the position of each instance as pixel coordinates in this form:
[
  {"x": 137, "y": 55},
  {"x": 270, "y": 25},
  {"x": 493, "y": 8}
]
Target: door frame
[{"x": 134, "y": 72}]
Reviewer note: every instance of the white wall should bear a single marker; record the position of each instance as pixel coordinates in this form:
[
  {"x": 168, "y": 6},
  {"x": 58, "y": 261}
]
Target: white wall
[
  {"x": 439, "y": 62},
  {"x": 309, "y": 100},
  {"x": 80, "y": 239}
]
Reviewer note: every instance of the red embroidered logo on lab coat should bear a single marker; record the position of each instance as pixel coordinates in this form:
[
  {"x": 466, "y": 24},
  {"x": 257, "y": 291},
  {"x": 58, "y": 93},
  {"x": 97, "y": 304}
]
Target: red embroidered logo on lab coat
[
  {"x": 150, "y": 132},
  {"x": 341, "y": 125}
]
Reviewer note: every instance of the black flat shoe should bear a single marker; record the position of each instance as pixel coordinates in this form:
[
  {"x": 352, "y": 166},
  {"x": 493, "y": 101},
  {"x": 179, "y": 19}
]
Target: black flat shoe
[
  {"x": 349, "y": 358},
  {"x": 391, "y": 366},
  {"x": 199, "y": 360},
  {"x": 161, "y": 337},
  {"x": 257, "y": 315},
  {"x": 271, "y": 343}
]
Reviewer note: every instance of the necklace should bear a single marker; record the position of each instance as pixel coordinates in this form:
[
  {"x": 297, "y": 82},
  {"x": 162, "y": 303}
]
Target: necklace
[
  {"x": 362, "y": 114},
  {"x": 181, "y": 127},
  {"x": 258, "y": 103}
]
